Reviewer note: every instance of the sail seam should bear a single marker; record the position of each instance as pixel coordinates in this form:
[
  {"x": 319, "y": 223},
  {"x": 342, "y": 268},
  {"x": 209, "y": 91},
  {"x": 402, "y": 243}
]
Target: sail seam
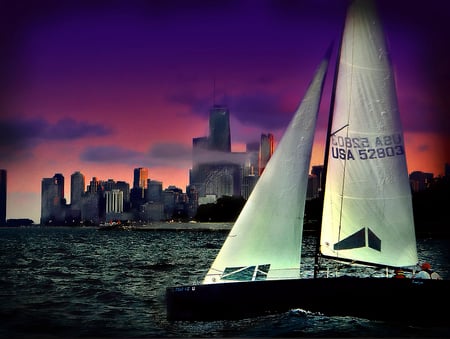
[{"x": 362, "y": 67}]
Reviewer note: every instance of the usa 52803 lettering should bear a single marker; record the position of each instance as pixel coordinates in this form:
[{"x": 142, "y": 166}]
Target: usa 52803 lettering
[{"x": 365, "y": 148}]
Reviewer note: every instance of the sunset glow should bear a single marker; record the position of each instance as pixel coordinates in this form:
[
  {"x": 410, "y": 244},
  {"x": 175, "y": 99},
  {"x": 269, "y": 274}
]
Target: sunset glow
[{"x": 104, "y": 88}]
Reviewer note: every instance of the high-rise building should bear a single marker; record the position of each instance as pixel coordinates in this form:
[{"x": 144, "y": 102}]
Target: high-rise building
[
  {"x": 140, "y": 177},
  {"x": 125, "y": 188},
  {"x": 77, "y": 187},
  {"x": 114, "y": 201},
  {"x": 139, "y": 186},
  {"x": 217, "y": 171},
  {"x": 266, "y": 149},
  {"x": 248, "y": 183},
  {"x": 3, "y": 197},
  {"x": 94, "y": 185},
  {"x": 52, "y": 200},
  {"x": 199, "y": 150},
  {"x": 154, "y": 191},
  {"x": 219, "y": 129}
]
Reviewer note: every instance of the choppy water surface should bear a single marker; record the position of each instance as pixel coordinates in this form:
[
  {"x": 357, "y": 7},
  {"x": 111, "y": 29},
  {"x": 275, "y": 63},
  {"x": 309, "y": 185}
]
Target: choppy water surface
[{"x": 81, "y": 282}]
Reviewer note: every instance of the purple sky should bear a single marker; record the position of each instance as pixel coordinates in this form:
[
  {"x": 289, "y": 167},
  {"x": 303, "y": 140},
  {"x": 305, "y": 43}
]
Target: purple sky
[{"x": 106, "y": 86}]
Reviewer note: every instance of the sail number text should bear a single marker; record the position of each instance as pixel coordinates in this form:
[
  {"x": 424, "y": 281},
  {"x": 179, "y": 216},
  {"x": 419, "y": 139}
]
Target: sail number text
[{"x": 364, "y": 148}]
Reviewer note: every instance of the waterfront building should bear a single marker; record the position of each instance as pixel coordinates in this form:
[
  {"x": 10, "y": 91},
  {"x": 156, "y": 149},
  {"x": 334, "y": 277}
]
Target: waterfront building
[
  {"x": 92, "y": 208},
  {"x": 53, "y": 203},
  {"x": 151, "y": 211},
  {"x": 77, "y": 188},
  {"x": 170, "y": 200}
]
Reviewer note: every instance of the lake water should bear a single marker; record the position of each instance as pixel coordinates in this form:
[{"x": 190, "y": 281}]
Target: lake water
[{"x": 81, "y": 282}]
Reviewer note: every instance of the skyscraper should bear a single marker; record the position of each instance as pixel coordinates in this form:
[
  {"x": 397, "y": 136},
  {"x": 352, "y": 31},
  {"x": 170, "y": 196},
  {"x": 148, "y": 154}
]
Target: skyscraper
[
  {"x": 266, "y": 149},
  {"x": 77, "y": 187},
  {"x": 2, "y": 197},
  {"x": 219, "y": 129},
  {"x": 139, "y": 186},
  {"x": 140, "y": 177},
  {"x": 154, "y": 191},
  {"x": 199, "y": 147},
  {"x": 52, "y": 200}
]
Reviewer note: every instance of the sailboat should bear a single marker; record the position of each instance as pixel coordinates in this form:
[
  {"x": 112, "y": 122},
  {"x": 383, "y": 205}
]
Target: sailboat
[{"x": 367, "y": 216}]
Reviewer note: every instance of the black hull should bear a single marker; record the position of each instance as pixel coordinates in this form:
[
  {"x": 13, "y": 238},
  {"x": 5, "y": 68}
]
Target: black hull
[{"x": 371, "y": 298}]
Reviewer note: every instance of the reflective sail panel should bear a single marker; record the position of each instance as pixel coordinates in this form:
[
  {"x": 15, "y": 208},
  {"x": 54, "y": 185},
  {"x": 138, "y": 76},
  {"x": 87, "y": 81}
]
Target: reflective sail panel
[
  {"x": 265, "y": 241},
  {"x": 367, "y": 212}
]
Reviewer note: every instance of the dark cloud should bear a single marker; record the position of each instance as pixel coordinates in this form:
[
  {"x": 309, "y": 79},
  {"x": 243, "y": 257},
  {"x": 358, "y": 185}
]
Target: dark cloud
[
  {"x": 170, "y": 151},
  {"x": 22, "y": 131},
  {"x": 260, "y": 109},
  {"x": 160, "y": 154},
  {"x": 109, "y": 154},
  {"x": 69, "y": 129},
  {"x": 19, "y": 136}
]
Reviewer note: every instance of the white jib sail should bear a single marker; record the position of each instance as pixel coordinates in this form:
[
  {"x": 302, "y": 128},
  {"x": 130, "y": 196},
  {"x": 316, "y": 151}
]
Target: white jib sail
[
  {"x": 367, "y": 212},
  {"x": 265, "y": 241}
]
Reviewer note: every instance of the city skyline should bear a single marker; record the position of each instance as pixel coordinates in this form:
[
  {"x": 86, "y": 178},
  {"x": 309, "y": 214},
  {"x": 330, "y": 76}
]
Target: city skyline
[
  {"x": 418, "y": 180},
  {"x": 103, "y": 89}
]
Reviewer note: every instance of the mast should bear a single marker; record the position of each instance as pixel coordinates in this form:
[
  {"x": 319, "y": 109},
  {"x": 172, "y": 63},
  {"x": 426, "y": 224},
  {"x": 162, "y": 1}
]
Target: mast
[{"x": 327, "y": 151}]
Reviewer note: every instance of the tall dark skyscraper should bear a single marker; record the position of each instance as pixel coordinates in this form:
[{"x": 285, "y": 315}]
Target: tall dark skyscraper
[
  {"x": 140, "y": 177},
  {"x": 219, "y": 129},
  {"x": 199, "y": 146},
  {"x": 139, "y": 186},
  {"x": 154, "y": 190},
  {"x": 52, "y": 200},
  {"x": 2, "y": 197},
  {"x": 77, "y": 187}
]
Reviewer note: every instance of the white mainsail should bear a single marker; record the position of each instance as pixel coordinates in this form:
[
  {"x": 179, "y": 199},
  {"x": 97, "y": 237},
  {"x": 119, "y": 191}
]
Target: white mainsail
[
  {"x": 367, "y": 213},
  {"x": 265, "y": 241}
]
